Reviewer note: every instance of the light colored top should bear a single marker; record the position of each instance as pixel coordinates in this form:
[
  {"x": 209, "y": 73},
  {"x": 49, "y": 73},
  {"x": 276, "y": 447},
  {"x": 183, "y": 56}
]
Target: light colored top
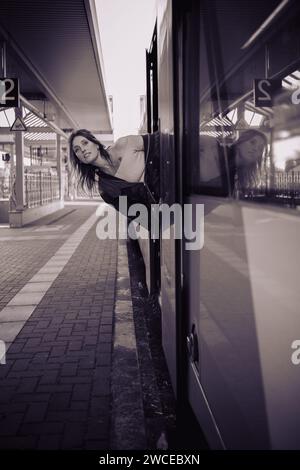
[{"x": 129, "y": 151}]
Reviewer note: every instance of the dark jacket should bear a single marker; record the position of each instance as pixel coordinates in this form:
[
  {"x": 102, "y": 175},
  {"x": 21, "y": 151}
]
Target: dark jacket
[{"x": 147, "y": 193}]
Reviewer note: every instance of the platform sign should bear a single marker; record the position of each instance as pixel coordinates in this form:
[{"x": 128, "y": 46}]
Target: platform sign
[
  {"x": 265, "y": 90},
  {"x": 9, "y": 93},
  {"x": 18, "y": 125}
]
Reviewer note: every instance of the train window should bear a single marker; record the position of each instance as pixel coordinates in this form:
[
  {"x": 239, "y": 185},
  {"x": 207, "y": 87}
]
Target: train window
[
  {"x": 209, "y": 176},
  {"x": 248, "y": 150}
]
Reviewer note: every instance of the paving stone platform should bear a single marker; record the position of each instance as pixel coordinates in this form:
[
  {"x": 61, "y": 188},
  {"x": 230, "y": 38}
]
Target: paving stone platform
[{"x": 57, "y": 287}]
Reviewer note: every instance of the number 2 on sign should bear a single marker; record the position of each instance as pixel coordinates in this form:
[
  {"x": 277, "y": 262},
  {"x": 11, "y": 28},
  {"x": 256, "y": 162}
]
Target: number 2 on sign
[
  {"x": 5, "y": 92},
  {"x": 266, "y": 96}
]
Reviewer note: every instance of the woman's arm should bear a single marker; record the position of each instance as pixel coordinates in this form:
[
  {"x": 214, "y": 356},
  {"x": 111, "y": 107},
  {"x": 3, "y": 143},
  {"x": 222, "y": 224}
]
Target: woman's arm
[
  {"x": 130, "y": 142},
  {"x": 129, "y": 151}
]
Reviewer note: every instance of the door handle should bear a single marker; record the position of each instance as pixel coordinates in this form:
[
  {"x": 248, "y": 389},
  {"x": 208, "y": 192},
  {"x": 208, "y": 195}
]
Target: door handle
[{"x": 193, "y": 346}]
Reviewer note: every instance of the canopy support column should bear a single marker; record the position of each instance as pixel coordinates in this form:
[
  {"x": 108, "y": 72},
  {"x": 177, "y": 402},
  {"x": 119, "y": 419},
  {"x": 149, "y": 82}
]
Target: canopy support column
[
  {"x": 59, "y": 167},
  {"x": 19, "y": 145}
]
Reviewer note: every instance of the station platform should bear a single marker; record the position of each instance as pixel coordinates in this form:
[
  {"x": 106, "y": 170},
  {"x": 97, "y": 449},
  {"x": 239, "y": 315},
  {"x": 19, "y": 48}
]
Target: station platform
[{"x": 79, "y": 371}]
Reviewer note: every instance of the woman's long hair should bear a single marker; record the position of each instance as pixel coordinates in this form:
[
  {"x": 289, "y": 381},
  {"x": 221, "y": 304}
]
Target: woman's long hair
[
  {"x": 85, "y": 171},
  {"x": 248, "y": 177}
]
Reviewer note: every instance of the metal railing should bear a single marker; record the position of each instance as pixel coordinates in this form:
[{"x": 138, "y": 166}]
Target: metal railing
[
  {"x": 5, "y": 187},
  {"x": 287, "y": 184},
  {"x": 41, "y": 188},
  {"x": 286, "y": 188}
]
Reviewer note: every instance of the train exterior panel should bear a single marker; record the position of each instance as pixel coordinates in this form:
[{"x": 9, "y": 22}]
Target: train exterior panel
[
  {"x": 230, "y": 311},
  {"x": 244, "y": 305},
  {"x": 166, "y": 121}
]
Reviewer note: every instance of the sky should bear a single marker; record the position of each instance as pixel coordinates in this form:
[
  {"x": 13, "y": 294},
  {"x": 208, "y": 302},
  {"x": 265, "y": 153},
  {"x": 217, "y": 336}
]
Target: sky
[{"x": 126, "y": 28}]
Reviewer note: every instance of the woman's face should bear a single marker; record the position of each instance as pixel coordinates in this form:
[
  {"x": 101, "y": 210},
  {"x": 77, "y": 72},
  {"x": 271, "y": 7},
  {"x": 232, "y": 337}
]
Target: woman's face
[
  {"x": 85, "y": 150},
  {"x": 251, "y": 150}
]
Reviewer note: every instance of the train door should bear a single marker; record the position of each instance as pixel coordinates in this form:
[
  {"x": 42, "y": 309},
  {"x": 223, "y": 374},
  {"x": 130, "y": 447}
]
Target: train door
[
  {"x": 151, "y": 247},
  {"x": 241, "y": 289},
  {"x": 168, "y": 184},
  {"x": 152, "y": 85}
]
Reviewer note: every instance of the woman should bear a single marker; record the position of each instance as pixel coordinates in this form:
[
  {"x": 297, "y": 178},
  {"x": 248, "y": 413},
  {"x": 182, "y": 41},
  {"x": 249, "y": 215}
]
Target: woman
[
  {"x": 246, "y": 161},
  {"x": 130, "y": 167}
]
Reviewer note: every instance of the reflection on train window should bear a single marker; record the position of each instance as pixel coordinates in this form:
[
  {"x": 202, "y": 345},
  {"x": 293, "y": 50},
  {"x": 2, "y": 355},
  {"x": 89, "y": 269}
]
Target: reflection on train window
[
  {"x": 248, "y": 149},
  {"x": 285, "y": 178},
  {"x": 247, "y": 164},
  {"x": 210, "y": 177},
  {"x": 209, "y": 149}
]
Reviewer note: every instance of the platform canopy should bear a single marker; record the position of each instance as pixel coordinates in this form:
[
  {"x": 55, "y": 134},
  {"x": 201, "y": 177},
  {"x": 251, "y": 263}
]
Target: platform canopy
[{"x": 53, "y": 47}]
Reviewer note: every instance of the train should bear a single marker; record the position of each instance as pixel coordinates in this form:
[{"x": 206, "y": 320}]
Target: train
[{"x": 230, "y": 310}]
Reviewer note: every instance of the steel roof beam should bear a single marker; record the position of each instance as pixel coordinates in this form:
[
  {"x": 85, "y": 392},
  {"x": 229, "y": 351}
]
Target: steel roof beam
[
  {"x": 37, "y": 112},
  {"x": 41, "y": 80},
  {"x": 5, "y": 130},
  {"x": 90, "y": 9}
]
